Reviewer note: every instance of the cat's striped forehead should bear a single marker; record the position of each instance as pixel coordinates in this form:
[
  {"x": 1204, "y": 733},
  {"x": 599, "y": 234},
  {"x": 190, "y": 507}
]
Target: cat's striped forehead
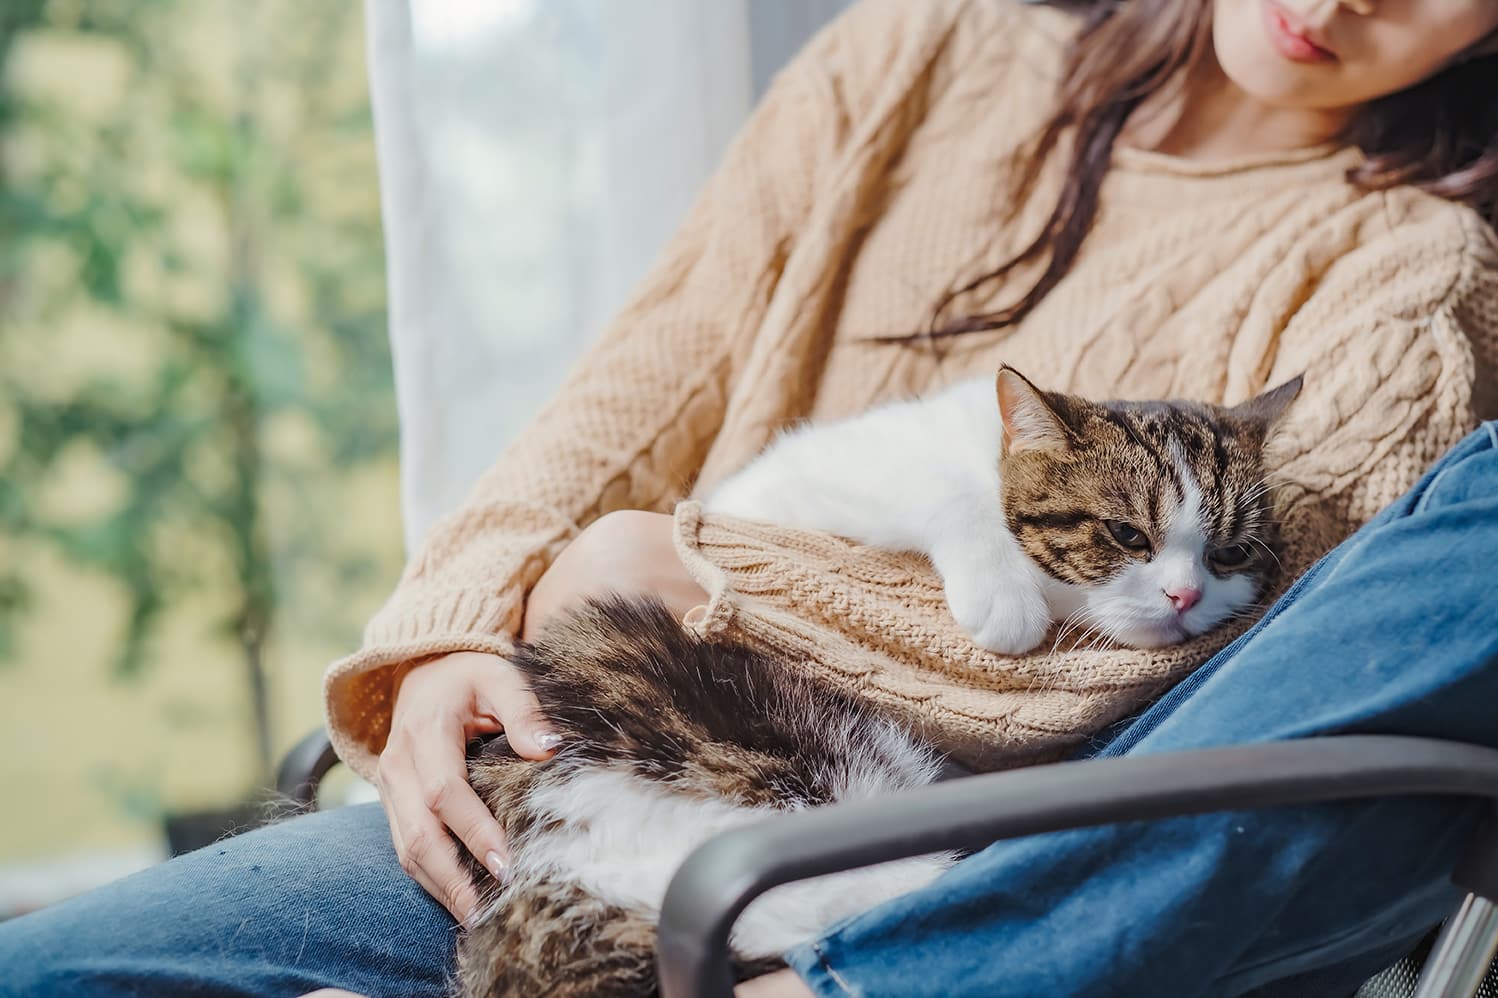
[
  {"x": 1184, "y": 444},
  {"x": 1146, "y": 465}
]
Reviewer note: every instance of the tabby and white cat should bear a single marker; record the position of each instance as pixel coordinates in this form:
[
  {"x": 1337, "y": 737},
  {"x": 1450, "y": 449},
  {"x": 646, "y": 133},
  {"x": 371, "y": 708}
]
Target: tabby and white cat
[
  {"x": 1140, "y": 520},
  {"x": 1146, "y": 522}
]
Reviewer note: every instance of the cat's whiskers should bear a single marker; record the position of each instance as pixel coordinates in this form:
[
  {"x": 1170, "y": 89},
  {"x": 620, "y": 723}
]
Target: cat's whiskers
[
  {"x": 1278, "y": 483},
  {"x": 1100, "y": 638},
  {"x": 1077, "y": 618},
  {"x": 1107, "y": 618},
  {"x": 1260, "y": 489},
  {"x": 1267, "y": 549},
  {"x": 1101, "y": 619},
  {"x": 1250, "y": 611},
  {"x": 1094, "y": 635}
]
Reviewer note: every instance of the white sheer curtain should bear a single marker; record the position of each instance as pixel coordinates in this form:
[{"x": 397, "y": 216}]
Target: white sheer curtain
[{"x": 534, "y": 155}]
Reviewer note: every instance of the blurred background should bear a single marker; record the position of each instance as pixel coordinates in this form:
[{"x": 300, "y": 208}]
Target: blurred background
[
  {"x": 277, "y": 280},
  {"x": 198, "y": 500}
]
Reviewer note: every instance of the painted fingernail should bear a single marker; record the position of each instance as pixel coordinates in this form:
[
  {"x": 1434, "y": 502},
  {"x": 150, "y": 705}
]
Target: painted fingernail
[
  {"x": 497, "y": 867},
  {"x": 548, "y": 740}
]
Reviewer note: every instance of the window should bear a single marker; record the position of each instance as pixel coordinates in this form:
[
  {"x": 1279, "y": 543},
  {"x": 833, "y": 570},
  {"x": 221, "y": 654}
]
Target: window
[{"x": 197, "y": 421}]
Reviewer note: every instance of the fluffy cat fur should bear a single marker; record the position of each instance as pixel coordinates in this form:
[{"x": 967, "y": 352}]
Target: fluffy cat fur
[
  {"x": 1033, "y": 506},
  {"x": 667, "y": 739}
]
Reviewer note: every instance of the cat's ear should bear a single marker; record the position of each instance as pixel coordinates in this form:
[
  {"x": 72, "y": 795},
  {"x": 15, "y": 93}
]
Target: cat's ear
[
  {"x": 1030, "y": 423},
  {"x": 1268, "y": 408}
]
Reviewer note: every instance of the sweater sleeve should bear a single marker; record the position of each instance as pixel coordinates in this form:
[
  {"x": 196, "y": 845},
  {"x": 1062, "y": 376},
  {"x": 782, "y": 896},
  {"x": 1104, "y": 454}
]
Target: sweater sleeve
[{"x": 634, "y": 419}]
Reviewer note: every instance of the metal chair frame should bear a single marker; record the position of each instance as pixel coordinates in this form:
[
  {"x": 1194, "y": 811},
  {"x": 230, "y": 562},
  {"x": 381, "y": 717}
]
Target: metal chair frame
[{"x": 720, "y": 878}]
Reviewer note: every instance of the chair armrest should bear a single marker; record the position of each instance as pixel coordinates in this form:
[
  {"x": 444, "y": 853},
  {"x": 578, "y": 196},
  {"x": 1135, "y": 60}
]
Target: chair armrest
[
  {"x": 721, "y": 877},
  {"x": 303, "y": 768}
]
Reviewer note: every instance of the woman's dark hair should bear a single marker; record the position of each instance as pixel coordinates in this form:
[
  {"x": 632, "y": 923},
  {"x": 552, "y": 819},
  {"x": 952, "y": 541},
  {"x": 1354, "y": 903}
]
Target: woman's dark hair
[{"x": 1440, "y": 136}]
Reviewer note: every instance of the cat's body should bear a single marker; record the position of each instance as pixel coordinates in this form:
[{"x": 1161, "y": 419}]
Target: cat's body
[
  {"x": 667, "y": 739},
  {"x": 1144, "y": 522}
]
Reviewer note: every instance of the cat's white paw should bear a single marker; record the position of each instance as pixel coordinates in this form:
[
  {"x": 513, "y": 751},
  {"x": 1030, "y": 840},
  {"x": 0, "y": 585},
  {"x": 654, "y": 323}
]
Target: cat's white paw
[{"x": 1005, "y": 618}]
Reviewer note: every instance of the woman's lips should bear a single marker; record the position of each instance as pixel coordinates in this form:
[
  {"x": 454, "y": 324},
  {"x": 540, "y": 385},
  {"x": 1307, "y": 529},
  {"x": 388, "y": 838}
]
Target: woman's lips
[{"x": 1290, "y": 37}]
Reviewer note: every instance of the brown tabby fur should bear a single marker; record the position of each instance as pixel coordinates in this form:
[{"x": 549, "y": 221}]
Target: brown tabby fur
[{"x": 628, "y": 689}]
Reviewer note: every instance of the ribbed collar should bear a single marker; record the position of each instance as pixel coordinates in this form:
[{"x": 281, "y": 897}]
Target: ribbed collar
[{"x": 1333, "y": 158}]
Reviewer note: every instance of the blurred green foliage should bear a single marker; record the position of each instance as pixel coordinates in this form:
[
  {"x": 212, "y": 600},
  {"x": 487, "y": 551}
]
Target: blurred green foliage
[{"x": 191, "y": 309}]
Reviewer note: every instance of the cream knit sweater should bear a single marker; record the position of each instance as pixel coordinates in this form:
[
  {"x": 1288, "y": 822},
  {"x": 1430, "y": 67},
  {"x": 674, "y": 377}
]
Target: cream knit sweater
[{"x": 870, "y": 180}]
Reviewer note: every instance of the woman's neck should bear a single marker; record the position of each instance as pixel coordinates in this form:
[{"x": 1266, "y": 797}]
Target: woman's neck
[{"x": 1205, "y": 117}]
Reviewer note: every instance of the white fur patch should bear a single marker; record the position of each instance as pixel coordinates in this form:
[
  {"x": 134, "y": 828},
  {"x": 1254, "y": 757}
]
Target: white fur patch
[{"x": 624, "y": 838}]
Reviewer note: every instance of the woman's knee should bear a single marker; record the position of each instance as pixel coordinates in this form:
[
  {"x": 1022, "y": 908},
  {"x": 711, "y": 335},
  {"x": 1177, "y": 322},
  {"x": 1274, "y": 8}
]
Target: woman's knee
[{"x": 305, "y": 903}]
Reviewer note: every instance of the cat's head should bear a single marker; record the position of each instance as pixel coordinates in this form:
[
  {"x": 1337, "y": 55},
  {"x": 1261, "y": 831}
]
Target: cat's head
[{"x": 1155, "y": 518}]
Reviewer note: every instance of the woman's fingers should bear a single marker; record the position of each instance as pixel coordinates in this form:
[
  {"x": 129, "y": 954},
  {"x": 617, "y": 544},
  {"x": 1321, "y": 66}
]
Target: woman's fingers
[
  {"x": 423, "y": 771},
  {"x": 448, "y": 797},
  {"x": 504, "y": 694},
  {"x": 426, "y": 852}
]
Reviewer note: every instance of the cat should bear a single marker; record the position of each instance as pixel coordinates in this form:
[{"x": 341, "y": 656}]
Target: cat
[
  {"x": 1140, "y": 520},
  {"x": 1144, "y": 521}
]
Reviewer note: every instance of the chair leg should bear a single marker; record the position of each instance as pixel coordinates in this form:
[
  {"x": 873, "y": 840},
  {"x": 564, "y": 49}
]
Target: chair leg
[
  {"x": 1462, "y": 953},
  {"x": 1469, "y": 939}
]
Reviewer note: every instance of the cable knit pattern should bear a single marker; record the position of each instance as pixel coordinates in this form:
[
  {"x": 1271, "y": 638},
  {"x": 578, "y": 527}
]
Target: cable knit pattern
[{"x": 872, "y": 178}]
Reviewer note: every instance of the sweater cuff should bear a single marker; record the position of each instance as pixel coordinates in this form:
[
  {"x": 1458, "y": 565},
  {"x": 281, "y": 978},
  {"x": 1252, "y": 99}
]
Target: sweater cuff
[
  {"x": 686, "y": 527},
  {"x": 358, "y": 690}
]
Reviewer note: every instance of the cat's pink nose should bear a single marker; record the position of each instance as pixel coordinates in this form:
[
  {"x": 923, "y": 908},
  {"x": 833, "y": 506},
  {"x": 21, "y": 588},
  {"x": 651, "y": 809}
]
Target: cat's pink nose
[{"x": 1183, "y": 598}]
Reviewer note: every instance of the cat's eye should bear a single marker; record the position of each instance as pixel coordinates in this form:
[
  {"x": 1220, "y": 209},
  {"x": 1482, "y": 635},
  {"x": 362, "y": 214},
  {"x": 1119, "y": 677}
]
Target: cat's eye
[
  {"x": 1231, "y": 556},
  {"x": 1128, "y": 535}
]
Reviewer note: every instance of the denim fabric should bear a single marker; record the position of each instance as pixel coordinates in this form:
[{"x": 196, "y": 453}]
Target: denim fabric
[
  {"x": 1395, "y": 632},
  {"x": 311, "y": 902}
]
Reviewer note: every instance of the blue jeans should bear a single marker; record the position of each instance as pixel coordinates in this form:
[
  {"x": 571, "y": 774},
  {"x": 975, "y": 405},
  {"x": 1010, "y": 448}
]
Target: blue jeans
[
  {"x": 1395, "y": 632},
  {"x": 311, "y": 902}
]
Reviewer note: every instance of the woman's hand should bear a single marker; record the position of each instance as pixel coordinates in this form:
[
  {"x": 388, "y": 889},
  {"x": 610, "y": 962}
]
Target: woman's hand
[
  {"x": 423, "y": 772},
  {"x": 442, "y": 704}
]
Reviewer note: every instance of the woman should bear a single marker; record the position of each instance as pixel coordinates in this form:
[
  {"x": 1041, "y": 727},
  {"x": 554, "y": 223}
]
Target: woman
[{"x": 1168, "y": 198}]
